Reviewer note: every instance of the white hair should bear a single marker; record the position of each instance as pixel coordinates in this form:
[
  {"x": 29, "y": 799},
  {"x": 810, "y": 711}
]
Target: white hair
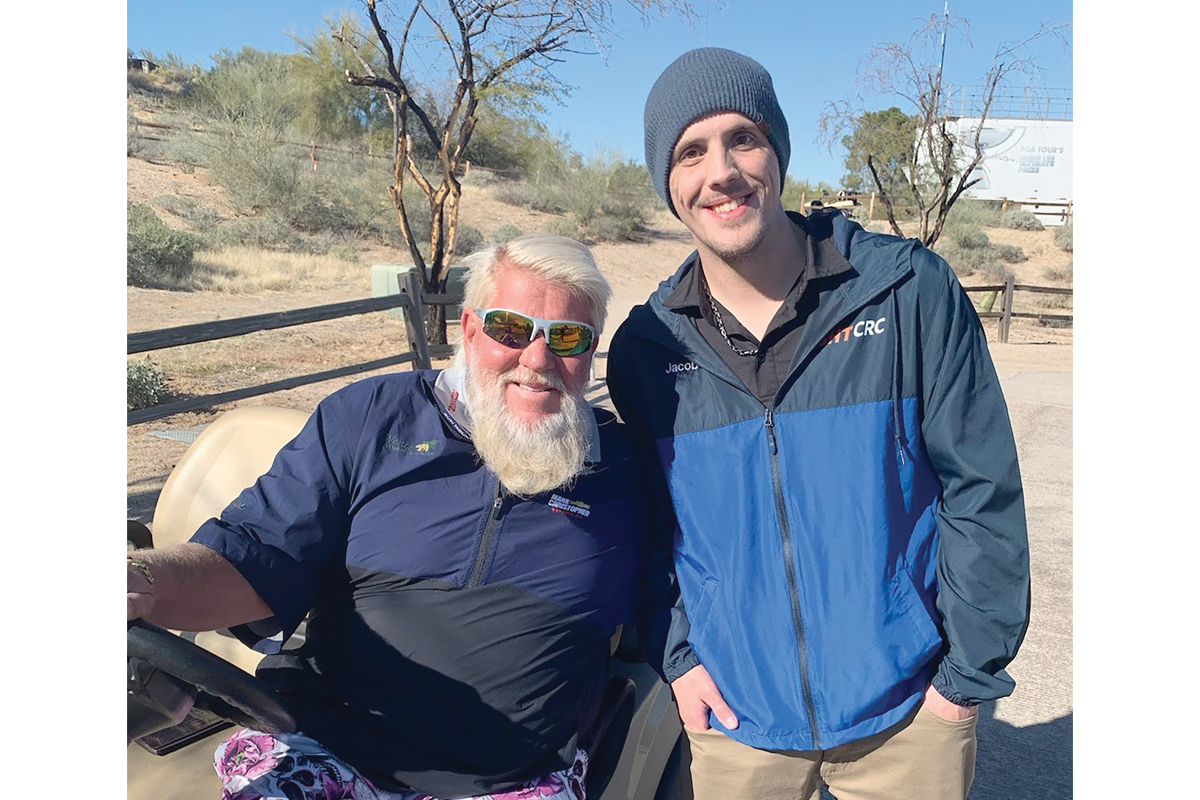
[{"x": 554, "y": 259}]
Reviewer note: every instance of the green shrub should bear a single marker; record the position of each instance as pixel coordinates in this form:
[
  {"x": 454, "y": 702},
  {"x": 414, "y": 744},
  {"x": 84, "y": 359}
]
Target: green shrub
[
  {"x": 1010, "y": 253},
  {"x": 612, "y": 227},
  {"x": 968, "y": 211},
  {"x": 608, "y": 197},
  {"x": 1063, "y": 237},
  {"x": 1022, "y": 221},
  {"x": 156, "y": 256},
  {"x": 145, "y": 385},
  {"x": 505, "y": 233},
  {"x": 967, "y": 261},
  {"x": 542, "y": 197},
  {"x": 268, "y": 232},
  {"x": 200, "y": 217},
  {"x": 467, "y": 240},
  {"x": 993, "y": 272},
  {"x": 1061, "y": 274},
  {"x": 969, "y": 238},
  {"x": 563, "y": 226}
]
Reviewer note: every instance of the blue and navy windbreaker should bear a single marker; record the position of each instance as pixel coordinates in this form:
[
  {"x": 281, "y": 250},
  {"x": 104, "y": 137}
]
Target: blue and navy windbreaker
[
  {"x": 858, "y": 537},
  {"x": 459, "y": 636}
]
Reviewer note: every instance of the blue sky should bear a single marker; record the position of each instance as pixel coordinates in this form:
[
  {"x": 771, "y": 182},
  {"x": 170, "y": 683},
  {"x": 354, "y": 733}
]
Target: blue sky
[{"x": 811, "y": 49}]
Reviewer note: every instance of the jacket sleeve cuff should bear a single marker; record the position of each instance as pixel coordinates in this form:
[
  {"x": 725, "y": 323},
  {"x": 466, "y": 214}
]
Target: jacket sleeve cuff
[
  {"x": 679, "y": 665},
  {"x": 943, "y": 688}
]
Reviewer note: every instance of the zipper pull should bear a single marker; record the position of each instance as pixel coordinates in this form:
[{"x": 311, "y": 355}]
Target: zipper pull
[{"x": 770, "y": 421}]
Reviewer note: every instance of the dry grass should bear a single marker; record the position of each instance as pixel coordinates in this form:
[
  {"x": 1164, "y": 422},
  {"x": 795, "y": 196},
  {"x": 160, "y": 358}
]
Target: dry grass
[{"x": 246, "y": 270}]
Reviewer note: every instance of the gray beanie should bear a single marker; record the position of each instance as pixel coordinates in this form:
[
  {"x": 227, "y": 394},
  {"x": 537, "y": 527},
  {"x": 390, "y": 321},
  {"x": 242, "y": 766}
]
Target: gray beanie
[{"x": 702, "y": 82}]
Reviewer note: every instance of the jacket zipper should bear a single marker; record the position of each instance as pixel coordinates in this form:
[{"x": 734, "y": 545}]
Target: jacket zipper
[
  {"x": 489, "y": 536},
  {"x": 793, "y": 583}
]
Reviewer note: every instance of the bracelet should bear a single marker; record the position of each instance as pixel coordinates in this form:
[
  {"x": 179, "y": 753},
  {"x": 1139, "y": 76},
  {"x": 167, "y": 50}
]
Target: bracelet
[{"x": 141, "y": 567}]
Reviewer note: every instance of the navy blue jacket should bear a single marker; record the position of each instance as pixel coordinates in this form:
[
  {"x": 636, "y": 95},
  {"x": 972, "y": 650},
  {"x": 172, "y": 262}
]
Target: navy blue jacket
[
  {"x": 459, "y": 636},
  {"x": 861, "y": 535}
]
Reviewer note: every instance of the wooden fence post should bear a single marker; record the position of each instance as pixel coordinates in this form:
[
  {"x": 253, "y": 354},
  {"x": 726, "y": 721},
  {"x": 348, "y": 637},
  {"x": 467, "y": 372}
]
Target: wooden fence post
[
  {"x": 414, "y": 320},
  {"x": 801, "y": 201},
  {"x": 1006, "y": 320},
  {"x": 871, "y": 208}
]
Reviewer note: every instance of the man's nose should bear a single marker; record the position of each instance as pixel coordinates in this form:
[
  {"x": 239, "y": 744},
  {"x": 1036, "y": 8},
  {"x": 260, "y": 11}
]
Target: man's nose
[
  {"x": 721, "y": 166},
  {"x": 537, "y": 355}
]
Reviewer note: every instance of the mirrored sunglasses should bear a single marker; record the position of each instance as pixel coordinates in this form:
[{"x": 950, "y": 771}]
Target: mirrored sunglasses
[{"x": 514, "y": 329}]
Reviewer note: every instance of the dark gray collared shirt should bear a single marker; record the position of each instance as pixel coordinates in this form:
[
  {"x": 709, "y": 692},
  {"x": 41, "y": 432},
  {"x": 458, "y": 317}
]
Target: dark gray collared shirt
[{"x": 764, "y": 373}]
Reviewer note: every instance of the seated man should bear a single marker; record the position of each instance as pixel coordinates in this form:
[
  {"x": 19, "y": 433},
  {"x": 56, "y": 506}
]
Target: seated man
[{"x": 467, "y": 541}]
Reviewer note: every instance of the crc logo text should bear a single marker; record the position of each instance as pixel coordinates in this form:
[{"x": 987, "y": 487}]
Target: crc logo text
[{"x": 864, "y": 327}]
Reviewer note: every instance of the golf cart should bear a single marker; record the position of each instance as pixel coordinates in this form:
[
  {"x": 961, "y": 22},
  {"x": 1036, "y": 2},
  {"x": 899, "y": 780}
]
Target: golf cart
[{"x": 186, "y": 691}]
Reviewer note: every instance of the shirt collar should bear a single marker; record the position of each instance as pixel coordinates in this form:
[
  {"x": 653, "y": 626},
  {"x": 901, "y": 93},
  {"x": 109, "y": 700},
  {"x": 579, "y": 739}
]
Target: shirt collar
[{"x": 450, "y": 389}]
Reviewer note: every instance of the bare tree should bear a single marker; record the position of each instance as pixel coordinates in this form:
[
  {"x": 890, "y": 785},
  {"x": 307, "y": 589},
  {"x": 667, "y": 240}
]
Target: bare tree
[
  {"x": 932, "y": 171},
  {"x": 486, "y": 44}
]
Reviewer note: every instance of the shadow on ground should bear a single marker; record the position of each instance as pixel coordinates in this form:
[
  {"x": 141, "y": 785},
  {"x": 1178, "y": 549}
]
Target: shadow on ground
[
  {"x": 141, "y": 497},
  {"x": 1034, "y": 762}
]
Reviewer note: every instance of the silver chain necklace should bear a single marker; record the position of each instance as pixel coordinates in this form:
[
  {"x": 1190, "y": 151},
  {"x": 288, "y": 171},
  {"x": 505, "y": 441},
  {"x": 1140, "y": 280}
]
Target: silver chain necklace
[{"x": 721, "y": 324}]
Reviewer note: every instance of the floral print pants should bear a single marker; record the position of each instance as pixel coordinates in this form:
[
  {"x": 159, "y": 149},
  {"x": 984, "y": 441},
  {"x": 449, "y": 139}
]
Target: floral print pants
[{"x": 292, "y": 766}]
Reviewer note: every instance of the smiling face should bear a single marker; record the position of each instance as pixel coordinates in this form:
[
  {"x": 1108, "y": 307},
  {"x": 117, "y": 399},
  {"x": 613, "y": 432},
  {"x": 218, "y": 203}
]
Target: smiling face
[
  {"x": 532, "y": 378},
  {"x": 725, "y": 185}
]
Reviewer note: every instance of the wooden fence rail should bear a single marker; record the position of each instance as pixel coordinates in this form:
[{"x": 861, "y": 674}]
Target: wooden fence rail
[
  {"x": 420, "y": 353},
  {"x": 409, "y": 299},
  {"x": 1009, "y": 288}
]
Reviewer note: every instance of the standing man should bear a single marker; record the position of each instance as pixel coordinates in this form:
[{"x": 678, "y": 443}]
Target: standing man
[
  {"x": 466, "y": 539},
  {"x": 850, "y": 545}
]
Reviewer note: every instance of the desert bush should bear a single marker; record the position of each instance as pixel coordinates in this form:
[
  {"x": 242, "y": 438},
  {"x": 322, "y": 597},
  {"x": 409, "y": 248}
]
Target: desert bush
[
  {"x": 1064, "y": 237},
  {"x": 200, "y": 217},
  {"x": 1061, "y": 274},
  {"x": 467, "y": 240},
  {"x": 969, "y": 212},
  {"x": 1010, "y": 253},
  {"x": 514, "y": 193},
  {"x": 505, "y": 233},
  {"x": 187, "y": 150},
  {"x": 970, "y": 260},
  {"x": 156, "y": 256},
  {"x": 544, "y": 196},
  {"x": 969, "y": 238},
  {"x": 1021, "y": 220},
  {"x": 608, "y": 197},
  {"x": 993, "y": 271},
  {"x": 267, "y": 233},
  {"x": 145, "y": 385},
  {"x": 480, "y": 177},
  {"x": 563, "y": 226}
]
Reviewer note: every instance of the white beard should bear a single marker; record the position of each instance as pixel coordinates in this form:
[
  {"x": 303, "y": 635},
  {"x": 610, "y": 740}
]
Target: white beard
[{"x": 529, "y": 458}]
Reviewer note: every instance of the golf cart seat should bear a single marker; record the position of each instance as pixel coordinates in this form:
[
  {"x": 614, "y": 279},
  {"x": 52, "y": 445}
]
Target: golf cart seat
[{"x": 229, "y": 455}]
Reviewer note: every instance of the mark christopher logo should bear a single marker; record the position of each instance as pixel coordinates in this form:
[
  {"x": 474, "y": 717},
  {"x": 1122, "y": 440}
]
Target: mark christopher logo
[
  {"x": 864, "y": 327},
  {"x": 397, "y": 445},
  {"x": 565, "y": 505}
]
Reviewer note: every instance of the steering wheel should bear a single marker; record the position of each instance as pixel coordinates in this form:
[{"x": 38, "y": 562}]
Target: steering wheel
[{"x": 224, "y": 689}]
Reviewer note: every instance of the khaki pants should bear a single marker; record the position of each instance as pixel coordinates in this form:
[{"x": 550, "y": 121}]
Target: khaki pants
[{"x": 923, "y": 757}]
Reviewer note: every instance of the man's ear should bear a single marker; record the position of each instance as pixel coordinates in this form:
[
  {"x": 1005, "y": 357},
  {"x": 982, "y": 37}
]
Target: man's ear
[{"x": 468, "y": 326}]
